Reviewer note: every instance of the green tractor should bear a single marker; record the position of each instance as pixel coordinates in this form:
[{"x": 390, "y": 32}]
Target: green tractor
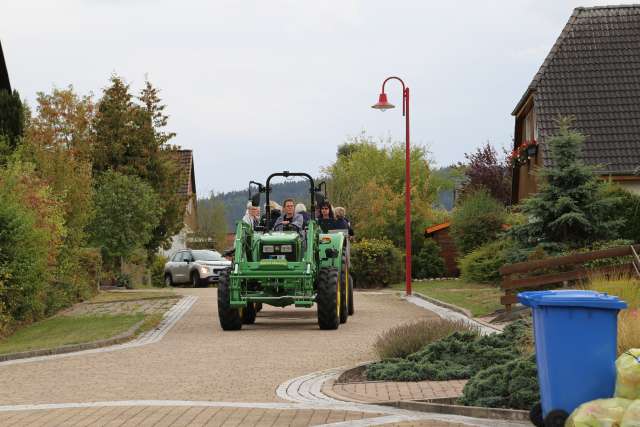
[{"x": 299, "y": 267}]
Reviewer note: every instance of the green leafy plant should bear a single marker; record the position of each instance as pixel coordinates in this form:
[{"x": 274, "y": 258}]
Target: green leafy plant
[
  {"x": 428, "y": 262},
  {"x": 375, "y": 263},
  {"x": 403, "y": 340},
  {"x": 157, "y": 271},
  {"x": 482, "y": 265},
  {"x": 127, "y": 211},
  {"x": 476, "y": 220}
]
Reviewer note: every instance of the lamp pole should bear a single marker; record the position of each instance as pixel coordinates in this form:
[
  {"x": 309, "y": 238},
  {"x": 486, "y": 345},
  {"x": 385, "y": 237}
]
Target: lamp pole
[{"x": 383, "y": 105}]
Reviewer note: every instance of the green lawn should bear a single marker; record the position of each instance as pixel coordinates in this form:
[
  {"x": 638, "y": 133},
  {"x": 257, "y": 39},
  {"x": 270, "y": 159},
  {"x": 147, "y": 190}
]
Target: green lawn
[
  {"x": 129, "y": 296},
  {"x": 479, "y": 299},
  {"x": 63, "y": 330}
]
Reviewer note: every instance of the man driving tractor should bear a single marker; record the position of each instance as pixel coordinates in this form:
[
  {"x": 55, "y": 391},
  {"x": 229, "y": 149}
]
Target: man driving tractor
[{"x": 289, "y": 217}]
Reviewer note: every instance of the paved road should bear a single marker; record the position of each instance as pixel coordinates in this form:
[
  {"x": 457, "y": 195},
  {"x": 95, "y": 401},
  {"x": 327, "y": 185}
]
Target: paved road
[{"x": 198, "y": 374}]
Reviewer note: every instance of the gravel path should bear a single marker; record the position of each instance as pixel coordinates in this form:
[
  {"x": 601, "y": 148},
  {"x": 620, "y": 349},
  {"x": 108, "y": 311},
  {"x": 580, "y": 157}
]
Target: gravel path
[{"x": 196, "y": 360}]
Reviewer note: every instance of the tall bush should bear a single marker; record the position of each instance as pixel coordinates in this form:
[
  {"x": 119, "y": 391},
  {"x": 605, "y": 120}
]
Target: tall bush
[
  {"x": 375, "y": 263},
  {"x": 482, "y": 265},
  {"x": 428, "y": 262},
  {"x": 127, "y": 211},
  {"x": 476, "y": 220},
  {"x": 626, "y": 208},
  {"x": 570, "y": 209},
  {"x": 31, "y": 231}
]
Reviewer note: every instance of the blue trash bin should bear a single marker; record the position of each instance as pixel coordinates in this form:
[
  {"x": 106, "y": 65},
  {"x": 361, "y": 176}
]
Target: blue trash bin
[{"x": 576, "y": 338}]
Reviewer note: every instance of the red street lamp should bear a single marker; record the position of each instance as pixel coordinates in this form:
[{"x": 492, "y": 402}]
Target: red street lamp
[{"x": 383, "y": 105}]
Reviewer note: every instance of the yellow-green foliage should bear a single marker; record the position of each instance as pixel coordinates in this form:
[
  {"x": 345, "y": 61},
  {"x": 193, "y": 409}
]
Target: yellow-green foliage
[
  {"x": 627, "y": 289},
  {"x": 375, "y": 263}
]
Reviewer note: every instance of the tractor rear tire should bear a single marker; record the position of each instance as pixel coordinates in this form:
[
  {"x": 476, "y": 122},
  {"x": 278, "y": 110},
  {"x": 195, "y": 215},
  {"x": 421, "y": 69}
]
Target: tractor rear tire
[
  {"x": 249, "y": 314},
  {"x": 351, "y": 308},
  {"x": 229, "y": 317},
  {"x": 327, "y": 299},
  {"x": 344, "y": 312}
]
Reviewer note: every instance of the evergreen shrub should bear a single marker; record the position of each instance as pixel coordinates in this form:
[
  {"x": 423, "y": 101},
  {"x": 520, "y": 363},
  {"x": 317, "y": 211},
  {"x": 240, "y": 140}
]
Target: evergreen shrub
[
  {"x": 428, "y": 262},
  {"x": 512, "y": 385},
  {"x": 375, "y": 263},
  {"x": 405, "y": 339},
  {"x": 458, "y": 356}
]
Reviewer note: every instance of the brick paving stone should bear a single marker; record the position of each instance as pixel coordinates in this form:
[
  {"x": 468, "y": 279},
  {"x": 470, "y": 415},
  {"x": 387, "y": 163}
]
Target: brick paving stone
[{"x": 192, "y": 360}]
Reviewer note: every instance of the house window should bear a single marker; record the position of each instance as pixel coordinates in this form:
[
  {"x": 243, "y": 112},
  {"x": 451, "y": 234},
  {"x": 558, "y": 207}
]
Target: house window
[{"x": 529, "y": 130}]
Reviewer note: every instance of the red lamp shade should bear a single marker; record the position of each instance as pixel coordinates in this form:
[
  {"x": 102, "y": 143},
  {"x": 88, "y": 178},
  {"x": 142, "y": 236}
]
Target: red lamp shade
[{"x": 383, "y": 104}]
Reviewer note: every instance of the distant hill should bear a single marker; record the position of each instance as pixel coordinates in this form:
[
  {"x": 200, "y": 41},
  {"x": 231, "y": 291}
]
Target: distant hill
[{"x": 235, "y": 202}]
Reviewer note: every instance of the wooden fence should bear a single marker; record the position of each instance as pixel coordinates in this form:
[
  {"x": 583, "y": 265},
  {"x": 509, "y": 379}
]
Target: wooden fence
[{"x": 522, "y": 275}]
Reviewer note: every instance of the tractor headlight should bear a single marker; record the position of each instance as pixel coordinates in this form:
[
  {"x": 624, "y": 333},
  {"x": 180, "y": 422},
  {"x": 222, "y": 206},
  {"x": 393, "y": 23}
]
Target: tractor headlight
[
  {"x": 286, "y": 249},
  {"x": 267, "y": 249}
]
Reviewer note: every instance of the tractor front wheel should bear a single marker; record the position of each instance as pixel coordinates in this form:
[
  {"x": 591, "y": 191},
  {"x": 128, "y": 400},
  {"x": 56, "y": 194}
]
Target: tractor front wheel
[
  {"x": 327, "y": 299},
  {"x": 249, "y": 314},
  {"x": 229, "y": 317}
]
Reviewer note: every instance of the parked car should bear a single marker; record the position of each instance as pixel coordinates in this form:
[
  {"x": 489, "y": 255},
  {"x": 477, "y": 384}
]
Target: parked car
[{"x": 197, "y": 267}]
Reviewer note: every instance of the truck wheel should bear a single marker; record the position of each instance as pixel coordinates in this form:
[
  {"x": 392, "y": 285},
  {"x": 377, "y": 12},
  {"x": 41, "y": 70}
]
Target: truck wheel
[
  {"x": 229, "y": 317},
  {"x": 249, "y": 314},
  {"x": 344, "y": 312},
  {"x": 352, "y": 308},
  {"x": 168, "y": 282},
  {"x": 327, "y": 299}
]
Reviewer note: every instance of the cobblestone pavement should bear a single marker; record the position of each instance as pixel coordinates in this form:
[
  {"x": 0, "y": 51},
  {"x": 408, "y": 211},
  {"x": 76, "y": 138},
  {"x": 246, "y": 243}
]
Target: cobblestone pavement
[
  {"x": 146, "y": 306},
  {"x": 384, "y": 391},
  {"x": 222, "y": 372}
]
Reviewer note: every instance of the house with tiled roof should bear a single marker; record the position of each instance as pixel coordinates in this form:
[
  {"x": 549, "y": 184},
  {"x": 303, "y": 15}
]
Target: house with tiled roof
[
  {"x": 592, "y": 74},
  {"x": 187, "y": 190}
]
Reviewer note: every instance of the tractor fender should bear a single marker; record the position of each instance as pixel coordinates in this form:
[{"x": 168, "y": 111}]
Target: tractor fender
[{"x": 333, "y": 241}]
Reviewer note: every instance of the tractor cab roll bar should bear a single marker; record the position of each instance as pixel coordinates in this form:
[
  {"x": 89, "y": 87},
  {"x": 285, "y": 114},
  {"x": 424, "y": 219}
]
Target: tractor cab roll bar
[{"x": 313, "y": 192}]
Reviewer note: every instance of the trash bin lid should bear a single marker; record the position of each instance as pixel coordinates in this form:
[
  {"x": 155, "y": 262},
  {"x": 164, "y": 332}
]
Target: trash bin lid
[{"x": 571, "y": 298}]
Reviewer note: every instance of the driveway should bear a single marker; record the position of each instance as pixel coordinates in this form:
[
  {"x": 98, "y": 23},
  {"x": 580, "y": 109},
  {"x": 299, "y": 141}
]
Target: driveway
[
  {"x": 198, "y": 373},
  {"x": 196, "y": 360}
]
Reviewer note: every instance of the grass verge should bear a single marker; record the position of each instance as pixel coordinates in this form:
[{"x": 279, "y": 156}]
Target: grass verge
[
  {"x": 65, "y": 330},
  {"x": 130, "y": 296},
  {"x": 480, "y": 300}
]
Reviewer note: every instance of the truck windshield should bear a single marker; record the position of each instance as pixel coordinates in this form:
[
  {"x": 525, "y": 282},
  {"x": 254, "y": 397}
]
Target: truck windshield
[{"x": 206, "y": 256}]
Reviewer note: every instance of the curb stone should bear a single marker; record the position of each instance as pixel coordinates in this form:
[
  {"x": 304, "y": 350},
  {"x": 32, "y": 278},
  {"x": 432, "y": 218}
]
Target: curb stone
[
  {"x": 444, "y": 304},
  {"x": 446, "y": 310},
  {"x": 466, "y": 411},
  {"x": 70, "y": 348}
]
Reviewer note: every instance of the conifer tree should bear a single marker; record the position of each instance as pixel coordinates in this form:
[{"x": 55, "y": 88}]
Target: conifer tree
[{"x": 569, "y": 209}]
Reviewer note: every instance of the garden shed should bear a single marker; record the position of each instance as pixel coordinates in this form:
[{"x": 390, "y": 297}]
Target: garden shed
[{"x": 440, "y": 233}]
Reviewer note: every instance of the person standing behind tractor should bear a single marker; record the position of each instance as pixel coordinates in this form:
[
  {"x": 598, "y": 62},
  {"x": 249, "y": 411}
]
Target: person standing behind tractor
[
  {"x": 289, "y": 217},
  {"x": 342, "y": 222},
  {"x": 302, "y": 210}
]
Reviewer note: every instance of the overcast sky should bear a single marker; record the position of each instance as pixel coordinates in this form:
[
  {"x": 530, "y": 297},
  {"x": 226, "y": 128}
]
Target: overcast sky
[{"x": 258, "y": 86}]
